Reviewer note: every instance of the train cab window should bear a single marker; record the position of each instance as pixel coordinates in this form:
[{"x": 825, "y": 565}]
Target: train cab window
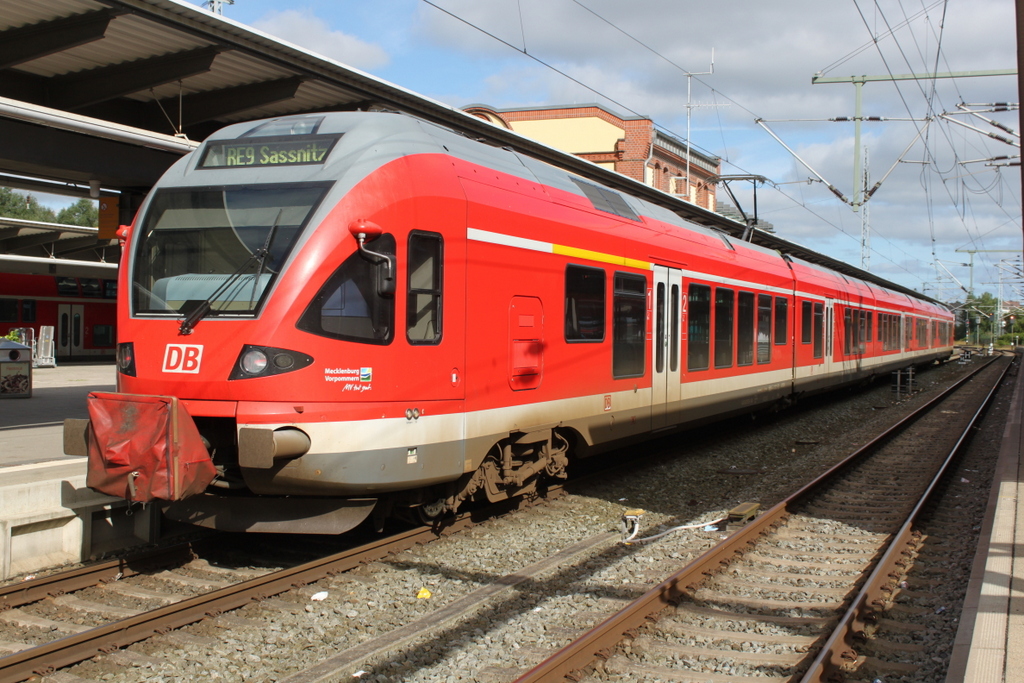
[
  {"x": 781, "y": 320},
  {"x": 629, "y": 325},
  {"x": 723, "y": 327},
  {"x": 221, "y": 245},
  {"x": 764, "y": 328},
  {"x": 807, "y": 322},
  {"x": 698, "y": 315},
  {"x": 745, "y": 329},
  {"x": 423, "y": 312},
  {"x": 8, "y": 310},
  {"x": 584, "y": 304},
  {"x": 350, "y": 306},
  {"x": 28, "y": 311},
  {"x": 67, "y": 286},
  {"x": 819, "y": 330}
]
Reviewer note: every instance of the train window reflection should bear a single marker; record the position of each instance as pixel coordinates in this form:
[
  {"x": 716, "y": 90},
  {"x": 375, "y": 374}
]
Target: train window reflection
[
  {"x": 764, "y": 328},
  {"x": 745, "y": 329},
  {"x": 723, "y": 327},
  {"x": 819, "y": 328},
  {"x": 194, "y": 241},
  {"x": 584, "y": 304},
  {"x": 349, "y": 306},
  {"x": 8, "y": 310},
  {"x": 781, "y": 320},
  {"x": 806, "y": 322},
  {"x": 698, "y": 313},
  {"x": 423, "y": 310},
  {"x": 629, "y": 326}
]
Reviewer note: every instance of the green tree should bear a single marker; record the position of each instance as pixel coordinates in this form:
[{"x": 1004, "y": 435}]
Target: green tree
[
  {"x": 83, "y": 212},
  {"x": 16, "y": 205}
]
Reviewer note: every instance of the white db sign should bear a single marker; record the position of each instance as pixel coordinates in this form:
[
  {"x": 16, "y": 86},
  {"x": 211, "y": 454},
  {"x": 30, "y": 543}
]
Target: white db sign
[{"x": 183, "y": 358}]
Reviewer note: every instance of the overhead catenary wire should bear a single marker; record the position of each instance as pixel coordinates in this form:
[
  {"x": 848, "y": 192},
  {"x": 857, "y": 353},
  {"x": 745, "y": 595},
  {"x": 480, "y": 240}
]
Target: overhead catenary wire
[{"x": 893, "y": 247}]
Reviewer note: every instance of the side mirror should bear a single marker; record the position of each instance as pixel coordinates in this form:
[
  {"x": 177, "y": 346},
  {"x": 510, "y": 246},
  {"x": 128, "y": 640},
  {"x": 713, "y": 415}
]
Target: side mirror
[{"x": 365, "y": 231}]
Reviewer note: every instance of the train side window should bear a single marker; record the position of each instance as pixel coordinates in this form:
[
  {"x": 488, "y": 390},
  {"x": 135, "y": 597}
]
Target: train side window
[
  {"x": 781, "y": 320},
  {"x": 110, "y": 289},
  {"x": 103, "y": 335},
  {"x": 8, "y": 310},
  {"x": 847, "y": 331},
  {"x": 698, "y": 315},
  {"x": 745, "y": 329},
  {"x": 819, "y": 330},
  {"x": 584, "y": 304},
  {"x": 67, "y": 286},
  {"x": 28, "y": 311},
  {"x": 349, "y": 306},
  {"x": 723, "y": 327},
  {"x": 807, "y": 324},
  {"x": 764, "y": 328},
  {"x": 423, "y": 309},
  {"x": 91, "y": 287},
  {"x": 629, "y": 326}
]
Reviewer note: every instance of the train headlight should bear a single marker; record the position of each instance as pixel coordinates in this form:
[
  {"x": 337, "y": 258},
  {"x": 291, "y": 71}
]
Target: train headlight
[
  {"x": 253, "y": 361},
  {"x": 126, "y": 358},
  {"x": 265, "y": 361}
]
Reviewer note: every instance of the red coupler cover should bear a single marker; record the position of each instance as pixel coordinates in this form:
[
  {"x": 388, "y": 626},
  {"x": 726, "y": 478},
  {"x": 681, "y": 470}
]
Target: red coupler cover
[{"x": 144, "y": 448}]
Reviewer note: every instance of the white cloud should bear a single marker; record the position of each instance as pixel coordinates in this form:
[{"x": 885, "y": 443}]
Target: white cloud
[{"x": 306, "y": 30}]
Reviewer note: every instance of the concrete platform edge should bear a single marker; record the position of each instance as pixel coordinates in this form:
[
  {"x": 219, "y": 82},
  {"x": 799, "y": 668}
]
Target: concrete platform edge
[{"x": 982, "y": 646}]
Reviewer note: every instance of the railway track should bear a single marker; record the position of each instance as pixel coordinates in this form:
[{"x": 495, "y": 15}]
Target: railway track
[
  {"x": 793, "y": 594},
  {"x": 188, "y": 589}
]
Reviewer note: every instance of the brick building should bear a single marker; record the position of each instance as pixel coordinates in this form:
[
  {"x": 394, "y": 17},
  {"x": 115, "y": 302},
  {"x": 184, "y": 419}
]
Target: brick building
[{"x": 631, "y": 146}]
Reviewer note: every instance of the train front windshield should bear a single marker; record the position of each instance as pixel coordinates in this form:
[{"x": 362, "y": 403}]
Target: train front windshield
[{"x": 224, "y": 245}]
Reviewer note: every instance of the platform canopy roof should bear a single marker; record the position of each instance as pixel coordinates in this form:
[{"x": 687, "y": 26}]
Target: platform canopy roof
[{"x": 112, "y": 92}]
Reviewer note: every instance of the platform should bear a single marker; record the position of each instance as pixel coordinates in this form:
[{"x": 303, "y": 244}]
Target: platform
[
  {"x": 48, "y": 517},
  {"x": 31, "y": 429},
  {"x": 989, "y": 646}
]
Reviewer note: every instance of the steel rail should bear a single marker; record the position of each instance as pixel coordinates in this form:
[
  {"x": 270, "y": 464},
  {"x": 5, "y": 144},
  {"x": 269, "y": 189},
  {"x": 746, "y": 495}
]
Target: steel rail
[
  {"x": 43, "y": 659},
  {"x": 32, "y": 590},
  {"x": 840, "y": 648},
  {"x": 606, "y": 635}
]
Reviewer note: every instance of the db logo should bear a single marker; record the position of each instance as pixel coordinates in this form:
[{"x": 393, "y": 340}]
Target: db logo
[{"x": 183, "y": 358}]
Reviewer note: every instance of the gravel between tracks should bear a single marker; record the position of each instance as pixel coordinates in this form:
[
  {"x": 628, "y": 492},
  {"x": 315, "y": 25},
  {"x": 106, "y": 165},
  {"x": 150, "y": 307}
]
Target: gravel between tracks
[{"x": 690, "y": 478}]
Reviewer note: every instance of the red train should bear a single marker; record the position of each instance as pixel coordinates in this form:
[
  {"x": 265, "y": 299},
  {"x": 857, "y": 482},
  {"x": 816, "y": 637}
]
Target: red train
[
  {"x": 327, "y": 317},
  {"x": 81, "y": 311}
]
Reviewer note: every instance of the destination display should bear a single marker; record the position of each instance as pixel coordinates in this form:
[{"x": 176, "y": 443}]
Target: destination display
[{"x": 257, "y": 152}]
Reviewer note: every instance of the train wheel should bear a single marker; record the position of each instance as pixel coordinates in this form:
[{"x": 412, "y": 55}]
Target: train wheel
[{"x": 429, "y": 513}]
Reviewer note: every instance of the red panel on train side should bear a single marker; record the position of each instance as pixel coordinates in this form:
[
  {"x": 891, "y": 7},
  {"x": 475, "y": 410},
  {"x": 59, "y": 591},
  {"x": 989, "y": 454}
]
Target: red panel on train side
[
  {"x": 145, "y": 448},
  {"x": 526, "y": 342}
]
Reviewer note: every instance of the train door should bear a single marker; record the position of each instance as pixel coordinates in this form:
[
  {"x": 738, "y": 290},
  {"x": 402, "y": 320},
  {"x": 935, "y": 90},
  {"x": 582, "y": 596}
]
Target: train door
[
  {"x": 70, "y": 329},
  {"x": 665, "y": 346},
  {"x": 830, "y": 329}
]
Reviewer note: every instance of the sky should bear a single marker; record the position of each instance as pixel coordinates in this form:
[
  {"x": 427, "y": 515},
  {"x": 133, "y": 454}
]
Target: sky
[{"x": 942, "y": 199}]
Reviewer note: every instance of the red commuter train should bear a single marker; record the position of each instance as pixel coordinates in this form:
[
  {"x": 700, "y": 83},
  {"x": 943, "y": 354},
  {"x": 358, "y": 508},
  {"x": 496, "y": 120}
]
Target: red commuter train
[
  {"x": 81, "y": 311},
  {"x": 324, "y": 318}
]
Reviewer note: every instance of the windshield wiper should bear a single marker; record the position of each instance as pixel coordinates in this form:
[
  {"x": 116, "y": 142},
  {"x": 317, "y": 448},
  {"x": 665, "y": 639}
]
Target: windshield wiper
[{"x": 203, "y": 309}]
